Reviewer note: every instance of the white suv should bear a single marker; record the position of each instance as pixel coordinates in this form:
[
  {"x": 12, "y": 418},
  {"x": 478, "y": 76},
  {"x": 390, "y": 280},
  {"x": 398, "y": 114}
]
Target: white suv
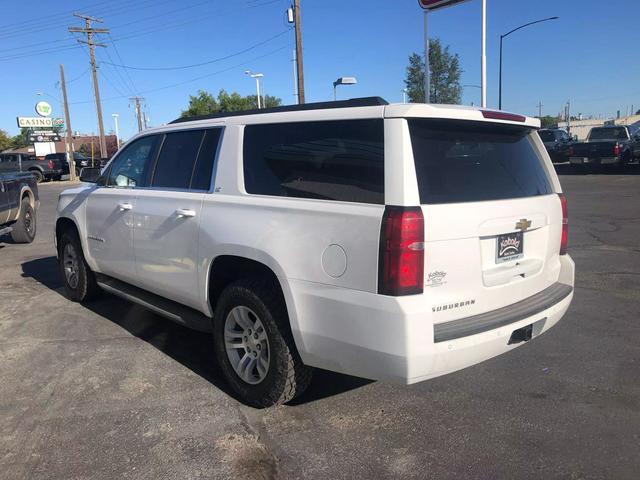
[{"x": 396, "y": 242}]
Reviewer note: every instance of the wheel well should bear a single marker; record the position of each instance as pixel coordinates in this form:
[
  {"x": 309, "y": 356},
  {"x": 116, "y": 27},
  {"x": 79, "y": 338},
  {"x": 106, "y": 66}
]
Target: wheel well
[
  {"x": 64, "y": 225},
  {"x": 27, "y": 194},
  {"x": 226, "y": 269}
]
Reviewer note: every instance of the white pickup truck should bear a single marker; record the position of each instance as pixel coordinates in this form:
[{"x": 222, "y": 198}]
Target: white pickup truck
[{"x": 394, "y": 242}]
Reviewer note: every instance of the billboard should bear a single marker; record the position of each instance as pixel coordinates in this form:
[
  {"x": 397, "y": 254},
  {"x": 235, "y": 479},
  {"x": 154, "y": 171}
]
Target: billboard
[{"x": 436, "y": 4}]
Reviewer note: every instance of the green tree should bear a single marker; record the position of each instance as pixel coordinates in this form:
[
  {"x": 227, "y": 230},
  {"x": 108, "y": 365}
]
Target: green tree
[
  {"x": 547, "y": 121},
  {"x": 22, "y": 139},
  {"x": 445, "y": 75},
  {"x": 5, "y": 140},
  {"x": 201, "y": 104},
  {"x": 204, "y": 103}
]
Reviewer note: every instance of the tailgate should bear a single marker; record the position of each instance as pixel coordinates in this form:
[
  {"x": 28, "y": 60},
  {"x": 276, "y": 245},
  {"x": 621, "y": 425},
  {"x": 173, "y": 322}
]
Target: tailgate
[
  {"x": 594, "y": 149},
  {"x": 493, "y": 221}
]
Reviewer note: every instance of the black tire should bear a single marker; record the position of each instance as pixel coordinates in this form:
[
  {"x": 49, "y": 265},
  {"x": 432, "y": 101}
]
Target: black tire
[
  {"x": 24, "y": 229},
  {"x": 38, "y": 175},
  {"x": 84, "y": 287},
  {"x": 286, "y": 376},
  {"x": 57, "y": 178}
]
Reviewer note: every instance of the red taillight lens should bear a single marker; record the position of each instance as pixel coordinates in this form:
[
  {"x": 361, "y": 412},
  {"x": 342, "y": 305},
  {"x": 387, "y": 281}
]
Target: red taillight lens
[
  {"x": 401, "y": 262},
  {"x": 616, "y": 149},
  {"x": 51, "y": 164},
  {"x": 565, "y": 225},
  {"x": 571, "y": 151}
]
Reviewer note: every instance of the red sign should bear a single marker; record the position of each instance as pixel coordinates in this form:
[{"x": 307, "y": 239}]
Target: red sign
[{"x": 436, "y": 4}]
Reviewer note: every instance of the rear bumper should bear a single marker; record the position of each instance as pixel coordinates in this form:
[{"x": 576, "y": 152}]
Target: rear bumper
[
  {"x": 388, "y": 338},
  {"x": 595, "y": 160}
]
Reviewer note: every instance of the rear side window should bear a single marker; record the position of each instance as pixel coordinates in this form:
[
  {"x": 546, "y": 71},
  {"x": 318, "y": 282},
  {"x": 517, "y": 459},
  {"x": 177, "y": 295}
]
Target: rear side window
[
  {"x": 333, "y": 160},
  {"x": 462, "y": 161},
  {"x": 201, "y": 179},
  {"x": 176, "y": 159}
]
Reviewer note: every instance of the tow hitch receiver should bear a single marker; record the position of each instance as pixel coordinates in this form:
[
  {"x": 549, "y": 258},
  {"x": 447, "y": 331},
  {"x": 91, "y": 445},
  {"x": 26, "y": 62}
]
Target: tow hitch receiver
[
  {"x": 527, "y": 332},
  {"x": 523, "y": 334}
]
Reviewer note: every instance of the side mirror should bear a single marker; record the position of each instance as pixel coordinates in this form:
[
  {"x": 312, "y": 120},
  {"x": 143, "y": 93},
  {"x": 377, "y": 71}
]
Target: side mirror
[{"x": 89, "y": 174}]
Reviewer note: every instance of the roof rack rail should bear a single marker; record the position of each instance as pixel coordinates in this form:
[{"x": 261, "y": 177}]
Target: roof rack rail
[{"x": 353, "y": 102}]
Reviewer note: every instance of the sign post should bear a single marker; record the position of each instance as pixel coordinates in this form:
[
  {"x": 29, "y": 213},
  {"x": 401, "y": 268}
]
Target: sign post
[{"x": 429, "y": 5}]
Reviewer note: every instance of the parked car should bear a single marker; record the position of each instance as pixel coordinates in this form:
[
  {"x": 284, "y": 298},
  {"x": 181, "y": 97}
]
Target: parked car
[
  {"x": 80, "y": 160},
  {"x": 42, "y": 170},
  {"x": 557, "y": 142},
  {"x": 18, "y": 204},
  {"x": 609, "y": 145},
  {"x": 397, "y": 242}
]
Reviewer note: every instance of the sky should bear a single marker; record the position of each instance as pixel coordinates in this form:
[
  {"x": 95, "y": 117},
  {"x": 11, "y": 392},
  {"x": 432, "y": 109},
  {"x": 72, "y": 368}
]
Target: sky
[{"x": 589, "y": 56}]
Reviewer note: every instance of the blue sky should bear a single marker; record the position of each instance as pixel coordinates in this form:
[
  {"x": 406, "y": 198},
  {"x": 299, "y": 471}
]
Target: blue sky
[{"x": 589, "y": 56}]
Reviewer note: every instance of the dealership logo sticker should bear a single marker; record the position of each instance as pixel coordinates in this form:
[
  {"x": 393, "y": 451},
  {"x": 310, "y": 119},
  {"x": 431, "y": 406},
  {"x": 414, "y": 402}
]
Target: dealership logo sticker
[
  {"x": 509, "y": 246},
  {"x": 436, "y": 278}
]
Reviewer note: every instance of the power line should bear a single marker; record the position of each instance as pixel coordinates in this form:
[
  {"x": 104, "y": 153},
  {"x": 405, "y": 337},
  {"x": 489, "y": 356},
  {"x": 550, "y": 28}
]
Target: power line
[
  {"x": 79, "y": 76},
  {"x": 173, "y": 85},
  {"x": 134, "y": 34},
  {"x": 46, "y": 25},
  {"x": 115, "y": 47},
  {"x": 182, "y": 67}
]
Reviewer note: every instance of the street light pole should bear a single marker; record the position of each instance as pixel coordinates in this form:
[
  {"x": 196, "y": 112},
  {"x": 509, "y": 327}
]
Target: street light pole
[
  {"x": 501, "y": 38},
  {"x": 257, "y": 76},
  {"x": 115, "y": 121}
]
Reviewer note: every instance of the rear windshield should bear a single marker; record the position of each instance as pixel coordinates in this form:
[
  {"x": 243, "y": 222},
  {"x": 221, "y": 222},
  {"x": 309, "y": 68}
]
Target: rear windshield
[
  {"x": 462, "y": 161},
  {"x": 608, "y": 134},
  {"x": 547, "y": 135}
]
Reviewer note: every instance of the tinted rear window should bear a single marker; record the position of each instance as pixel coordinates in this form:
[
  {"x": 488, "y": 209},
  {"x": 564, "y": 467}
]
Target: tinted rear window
[
  {"x": 475, "y": 161},
  {"x": 332, "y": 160},
  {"x": 177, "y": 159},
  {"x": 608, "y": 134}
]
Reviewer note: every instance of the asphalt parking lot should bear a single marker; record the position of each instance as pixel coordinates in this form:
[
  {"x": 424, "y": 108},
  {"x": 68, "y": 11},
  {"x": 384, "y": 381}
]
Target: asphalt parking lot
[{"x": 114, "y": 391}]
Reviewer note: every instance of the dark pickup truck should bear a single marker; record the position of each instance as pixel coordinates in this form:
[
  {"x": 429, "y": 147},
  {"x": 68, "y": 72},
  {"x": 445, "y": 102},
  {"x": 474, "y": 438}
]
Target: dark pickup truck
[
  {"x": 609, "y": 145},
  {"x": 42, "y": 170},
  {"x": 18, "y": 204},
  {"x": 80, "y": 160},
  {"x": 557, "y": 142}
]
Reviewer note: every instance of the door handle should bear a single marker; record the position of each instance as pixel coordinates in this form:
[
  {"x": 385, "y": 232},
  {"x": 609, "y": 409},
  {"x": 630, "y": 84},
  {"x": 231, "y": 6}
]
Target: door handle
[
  {"x": 185, "y": 212},
  {"x": 123, "y": 207}
]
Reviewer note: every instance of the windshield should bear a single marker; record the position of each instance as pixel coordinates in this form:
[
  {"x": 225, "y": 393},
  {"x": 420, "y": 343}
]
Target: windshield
[
  {"x": 463, "y": 161},
  {"x": 608, "y": 134}
]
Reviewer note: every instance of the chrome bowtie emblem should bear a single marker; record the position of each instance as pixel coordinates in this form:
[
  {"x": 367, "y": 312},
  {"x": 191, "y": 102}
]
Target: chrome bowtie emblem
[{"x": 523, "y": 224}]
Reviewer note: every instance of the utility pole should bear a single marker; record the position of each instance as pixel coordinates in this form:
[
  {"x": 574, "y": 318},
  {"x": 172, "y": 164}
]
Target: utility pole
[
  {"x": 298, "y": 30},
  {"x": 540, "y": 105},
  {"x": 67, "y": 120},
  {"x": 89, "y": 32},
  {"x": 136, "y": 101}
]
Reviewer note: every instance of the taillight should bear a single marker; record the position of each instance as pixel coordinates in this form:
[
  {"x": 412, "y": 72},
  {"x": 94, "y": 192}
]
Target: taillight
[
  {"x": 565, "y": 225},
  {"x": 616, "y": 149},
  {"x": 51, "y": 164},
  {"x": 571, "y": 151},
  {"x": 401, "y": 262}
]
